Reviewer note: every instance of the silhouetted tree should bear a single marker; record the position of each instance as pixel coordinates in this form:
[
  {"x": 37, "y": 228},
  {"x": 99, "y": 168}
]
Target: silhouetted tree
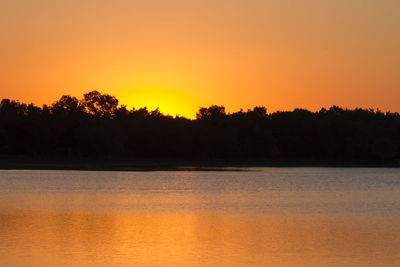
[
  {"x": 67, "y": 105},
  {"x": 100, "y": 104},
  {"x": 213, "y": 112}
]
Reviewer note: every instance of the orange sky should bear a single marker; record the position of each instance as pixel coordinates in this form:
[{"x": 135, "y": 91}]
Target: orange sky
[{"x": 179, "y": 55}]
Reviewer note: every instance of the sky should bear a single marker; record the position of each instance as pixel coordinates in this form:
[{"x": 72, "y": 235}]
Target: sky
[{"x": 181, "y": 55}]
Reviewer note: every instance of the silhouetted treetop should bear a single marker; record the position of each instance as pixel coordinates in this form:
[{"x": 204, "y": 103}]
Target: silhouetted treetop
[
  {"x": 67, "y": 104},
  {"x": 260, "y": 111},
  {"x": 213, "y": 112},
  {"x": 96, "y": 103}
]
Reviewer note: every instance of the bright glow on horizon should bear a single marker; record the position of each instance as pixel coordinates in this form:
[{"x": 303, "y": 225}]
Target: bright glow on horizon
[{"x": 167, "y": 101}]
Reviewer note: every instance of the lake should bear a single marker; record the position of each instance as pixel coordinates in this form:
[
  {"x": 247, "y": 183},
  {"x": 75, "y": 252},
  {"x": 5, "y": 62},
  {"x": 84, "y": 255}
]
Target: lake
[{"x": 252, "y": 217}]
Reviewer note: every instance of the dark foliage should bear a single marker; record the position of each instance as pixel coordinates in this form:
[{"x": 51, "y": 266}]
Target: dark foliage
[{"x": 97, "y": 127}]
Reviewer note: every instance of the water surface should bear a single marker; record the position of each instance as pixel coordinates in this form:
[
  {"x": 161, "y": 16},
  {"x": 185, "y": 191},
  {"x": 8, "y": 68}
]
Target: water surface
[{"x": 261, "y": 217}]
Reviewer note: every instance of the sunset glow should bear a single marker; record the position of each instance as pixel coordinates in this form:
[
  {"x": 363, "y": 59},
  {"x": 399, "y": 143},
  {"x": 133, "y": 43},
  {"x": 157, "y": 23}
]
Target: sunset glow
[
  {"x": 180, "y": 55},
  {"x": 167, "y": 101}
]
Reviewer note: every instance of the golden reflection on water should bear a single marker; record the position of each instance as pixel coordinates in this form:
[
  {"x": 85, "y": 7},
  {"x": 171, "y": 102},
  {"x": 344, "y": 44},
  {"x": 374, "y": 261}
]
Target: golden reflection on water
[
  {"x": 287, "y": 217},
  {"x": 40, "y": 238}
]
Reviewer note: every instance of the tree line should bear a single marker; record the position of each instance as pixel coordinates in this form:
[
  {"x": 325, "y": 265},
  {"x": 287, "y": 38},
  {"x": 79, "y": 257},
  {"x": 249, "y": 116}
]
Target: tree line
[{"x": 97, "y": 126}]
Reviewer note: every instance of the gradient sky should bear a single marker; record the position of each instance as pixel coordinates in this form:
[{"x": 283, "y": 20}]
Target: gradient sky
[{"x": 179, "y": 55}]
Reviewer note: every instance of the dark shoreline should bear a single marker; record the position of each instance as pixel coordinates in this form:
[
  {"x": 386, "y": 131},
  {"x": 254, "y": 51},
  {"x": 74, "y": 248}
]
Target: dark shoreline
[{"x": 134, "y": 164}]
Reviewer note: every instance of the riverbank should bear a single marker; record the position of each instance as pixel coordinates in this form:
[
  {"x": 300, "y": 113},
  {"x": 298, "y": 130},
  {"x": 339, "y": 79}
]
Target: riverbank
[{"x": 147, "y": 164}]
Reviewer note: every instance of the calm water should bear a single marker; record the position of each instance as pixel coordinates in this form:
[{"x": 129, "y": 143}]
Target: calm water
[{"x": 263, "y": 217}]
